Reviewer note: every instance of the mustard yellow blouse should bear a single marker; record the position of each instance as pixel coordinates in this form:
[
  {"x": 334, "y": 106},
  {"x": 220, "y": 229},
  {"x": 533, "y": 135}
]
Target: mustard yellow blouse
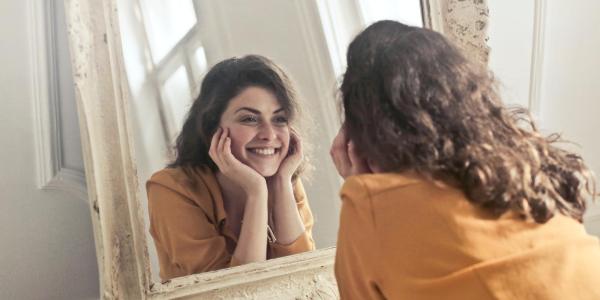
[
  {"x": 402, "y": 237},
  {"x": 189, "y": 224}
]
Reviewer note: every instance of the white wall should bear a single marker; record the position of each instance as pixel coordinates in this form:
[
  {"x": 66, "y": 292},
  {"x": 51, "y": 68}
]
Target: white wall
[
  {"x": 570, "y": 83},
  {"x": 569, "y": 90},
  {"x": 511, "y": 35},
  {"x": 47, "y": 249}
]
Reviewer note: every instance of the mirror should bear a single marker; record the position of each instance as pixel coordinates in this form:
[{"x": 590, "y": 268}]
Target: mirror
[
  {"x": 127, "y": 119},
  {"x": 168, "y": 47}
]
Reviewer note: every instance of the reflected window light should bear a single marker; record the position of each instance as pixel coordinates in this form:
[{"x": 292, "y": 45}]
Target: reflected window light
[
  {"x": 176, "y": 99},
  {"x": 407, "y": 12},
  {"x": 342, "y": 20},
  {"x": 199, "y": 63},
  {"x": 166, "y": 22},
  {"x": 129, "y": 21}
]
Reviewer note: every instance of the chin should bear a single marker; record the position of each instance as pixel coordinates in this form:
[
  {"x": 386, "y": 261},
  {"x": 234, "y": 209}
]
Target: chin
[
  {"x": 264, "y": 168},
  {"x": 266, "y": 172}
]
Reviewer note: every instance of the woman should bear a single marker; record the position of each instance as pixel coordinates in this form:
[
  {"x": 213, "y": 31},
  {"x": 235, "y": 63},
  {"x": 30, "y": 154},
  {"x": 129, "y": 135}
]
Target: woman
[
  {"x": 447, "y": 195},
  {"x": 233, "y": 195}
]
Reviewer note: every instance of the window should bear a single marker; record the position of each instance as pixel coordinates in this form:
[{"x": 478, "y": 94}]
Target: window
[
  {"x": 164, "y": 57},
  {"x": 343, "y": 19}
]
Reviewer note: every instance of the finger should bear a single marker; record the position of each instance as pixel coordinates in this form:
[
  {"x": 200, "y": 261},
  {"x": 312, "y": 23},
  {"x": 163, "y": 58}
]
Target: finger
[
  {"x": 333, "y": 152},
  {"x": 335, "y": 146},
  {"x": 227, "y": 147},
  {"x": 340, "y": 141},
  {"x": 222, "y": 138},
  {"x": 293, "y": 132},
  {"x": 295, "y": 147},
  {"x": 212, "y": 152},
  {"x": 215, "y": 140},
  {"x": 334, "y": 149},
  {"x": 221, "y": 147},
  {"x": 336, "y": 162},
  {"x": 358, "y": 165},
  {"x": 341, "y": 167},
  {"x": 227, "y": 155},
  {"x": 342, "y": 160}
]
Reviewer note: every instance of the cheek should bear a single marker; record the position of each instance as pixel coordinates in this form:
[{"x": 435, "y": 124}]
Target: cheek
[
  {"x": 284, "y": 136},
  {"x": 240, "y": 136}
]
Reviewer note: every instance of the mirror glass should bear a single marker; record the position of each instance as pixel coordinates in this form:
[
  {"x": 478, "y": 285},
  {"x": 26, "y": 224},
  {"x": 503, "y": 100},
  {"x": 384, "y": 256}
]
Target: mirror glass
[{"x": 169, "y": 46}]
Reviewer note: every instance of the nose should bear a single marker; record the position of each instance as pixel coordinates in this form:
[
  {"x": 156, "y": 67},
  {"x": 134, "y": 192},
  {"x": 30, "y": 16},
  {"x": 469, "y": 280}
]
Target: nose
[{"x": 266, "y": 132}]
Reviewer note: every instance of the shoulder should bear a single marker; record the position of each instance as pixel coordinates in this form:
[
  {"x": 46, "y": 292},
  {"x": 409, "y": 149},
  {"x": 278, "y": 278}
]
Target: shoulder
[
  {"x": 373, "y": 185},
  {"x": 168, "y": 176},
  {"x": 197, "y": 185},
  {"x": 396, "y": 194},
  {"x": 181, "y": 180},
  {"x": 362, "y": 194}
]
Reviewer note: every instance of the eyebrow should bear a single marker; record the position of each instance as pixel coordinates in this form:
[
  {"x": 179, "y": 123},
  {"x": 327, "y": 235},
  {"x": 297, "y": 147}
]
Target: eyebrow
[{"x": 255, "y": 111}]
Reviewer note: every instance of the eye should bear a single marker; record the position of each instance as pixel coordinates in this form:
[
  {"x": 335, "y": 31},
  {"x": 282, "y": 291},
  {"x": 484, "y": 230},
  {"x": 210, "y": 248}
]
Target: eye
[
  {"x": 249, "y": 119},
  {"x": 280, "y": 120}
]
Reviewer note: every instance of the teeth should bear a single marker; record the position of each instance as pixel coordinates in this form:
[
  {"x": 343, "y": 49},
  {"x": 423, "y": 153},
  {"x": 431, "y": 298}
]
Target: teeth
[{"x": 263, "y": 151}]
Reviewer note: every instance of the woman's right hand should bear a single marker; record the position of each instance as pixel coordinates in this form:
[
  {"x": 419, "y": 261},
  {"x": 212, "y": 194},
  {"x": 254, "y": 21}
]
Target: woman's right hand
[
  {"x": 242, "y": 175},
  {"x": 344, "y": 156}
]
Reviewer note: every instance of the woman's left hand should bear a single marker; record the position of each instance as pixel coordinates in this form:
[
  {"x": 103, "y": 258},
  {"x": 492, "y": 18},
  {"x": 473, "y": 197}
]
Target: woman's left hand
[
  {"x": 290, "y": 163},
  {"x": 285, "y": 218}
]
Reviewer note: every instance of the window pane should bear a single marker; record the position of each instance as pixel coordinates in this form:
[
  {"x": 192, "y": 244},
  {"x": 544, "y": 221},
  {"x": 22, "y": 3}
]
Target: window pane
[
  {"x": 199, "y": 63},
  {"x": 176, "y": 100},
  {"x": 405, "y": 11},
  {"x": 166, "y": 22}
]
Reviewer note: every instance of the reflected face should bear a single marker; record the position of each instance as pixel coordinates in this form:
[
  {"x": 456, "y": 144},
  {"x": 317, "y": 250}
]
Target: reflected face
[{"x": 259, "y": 130}]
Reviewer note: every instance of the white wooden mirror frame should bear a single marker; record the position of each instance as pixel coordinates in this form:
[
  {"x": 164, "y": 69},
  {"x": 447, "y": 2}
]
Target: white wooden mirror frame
[{"x": 110, "y": 167}]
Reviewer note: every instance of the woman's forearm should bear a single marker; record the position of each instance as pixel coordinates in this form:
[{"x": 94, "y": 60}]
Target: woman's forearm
[
  {"x": 288, "y": 224},
  {"x": 252, "y": 241}
]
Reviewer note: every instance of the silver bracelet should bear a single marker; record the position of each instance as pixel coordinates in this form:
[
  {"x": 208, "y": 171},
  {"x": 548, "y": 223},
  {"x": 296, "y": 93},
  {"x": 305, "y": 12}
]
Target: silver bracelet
[{"x": 270, "y": 235}]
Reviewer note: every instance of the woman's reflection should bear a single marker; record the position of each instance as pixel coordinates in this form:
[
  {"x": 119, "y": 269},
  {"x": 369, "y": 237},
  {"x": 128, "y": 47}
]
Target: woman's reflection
[{"x": 233, "y": 194}]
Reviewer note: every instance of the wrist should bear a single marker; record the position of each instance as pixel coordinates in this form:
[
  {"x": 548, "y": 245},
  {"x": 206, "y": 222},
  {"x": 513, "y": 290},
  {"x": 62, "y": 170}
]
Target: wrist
[
  {"x": 257, "y": 194},
  {"x": 280, "y": 179},
  {"x": 257, "y": 189}
]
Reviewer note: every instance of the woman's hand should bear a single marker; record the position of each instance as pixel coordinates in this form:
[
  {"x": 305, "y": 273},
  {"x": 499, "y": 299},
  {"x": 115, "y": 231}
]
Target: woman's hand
[
  {"x": 346, "y": 160},
  {"x": 242, "y": 175},
  {"x": 290, "y": 163},
  {"x": 252, "y": 241},
  {"x": 286, "y": 220}
]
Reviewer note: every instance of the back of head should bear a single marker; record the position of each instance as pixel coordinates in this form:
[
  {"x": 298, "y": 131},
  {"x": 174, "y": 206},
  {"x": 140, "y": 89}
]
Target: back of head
[{"x": 413, "y": 101}]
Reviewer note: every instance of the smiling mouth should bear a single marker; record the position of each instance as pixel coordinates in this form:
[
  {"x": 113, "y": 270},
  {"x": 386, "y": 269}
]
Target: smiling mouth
[{"x": 264, "y": 151}]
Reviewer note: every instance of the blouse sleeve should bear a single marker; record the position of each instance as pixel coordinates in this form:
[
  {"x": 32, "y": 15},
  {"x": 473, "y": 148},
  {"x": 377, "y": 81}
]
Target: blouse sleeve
[
  {"x": 186, "y": 240},
  {"x": 305, "y": 241},
  {"x": 356, "y": 259}
]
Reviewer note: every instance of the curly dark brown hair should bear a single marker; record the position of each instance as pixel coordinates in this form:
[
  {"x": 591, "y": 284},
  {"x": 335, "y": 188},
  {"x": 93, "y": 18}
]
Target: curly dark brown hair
[
  {"x": 223, "y": 82},
  {"x": 413, "y": 101}
]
